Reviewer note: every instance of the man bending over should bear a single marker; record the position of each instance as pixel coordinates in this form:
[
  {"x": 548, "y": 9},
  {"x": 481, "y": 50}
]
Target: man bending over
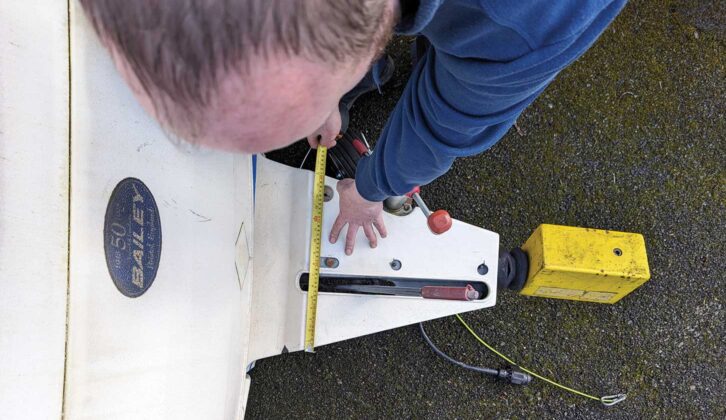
[{"x": 256, "y": 75}]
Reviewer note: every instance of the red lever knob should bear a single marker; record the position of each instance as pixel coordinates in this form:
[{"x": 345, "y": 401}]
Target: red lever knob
[{"x": 439, "y": 221}]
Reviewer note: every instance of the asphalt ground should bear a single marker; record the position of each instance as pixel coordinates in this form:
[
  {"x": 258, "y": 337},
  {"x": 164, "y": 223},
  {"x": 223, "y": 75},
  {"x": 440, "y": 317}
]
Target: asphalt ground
[{"x": 632, "y": 138}]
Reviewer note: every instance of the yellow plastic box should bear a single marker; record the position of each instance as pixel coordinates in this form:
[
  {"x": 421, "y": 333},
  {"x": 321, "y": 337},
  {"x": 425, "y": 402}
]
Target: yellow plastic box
[{"x": 584, "y": 264}]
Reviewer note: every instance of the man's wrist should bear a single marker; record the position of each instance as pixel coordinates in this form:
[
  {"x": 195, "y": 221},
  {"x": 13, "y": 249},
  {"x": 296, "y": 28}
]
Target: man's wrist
[
  {"x": 364, "y": 183},
  {"x": 370, "y": 194}
]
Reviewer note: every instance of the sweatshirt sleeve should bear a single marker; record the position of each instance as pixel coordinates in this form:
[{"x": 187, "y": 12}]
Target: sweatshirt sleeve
[{"x": 457, "y": 104}]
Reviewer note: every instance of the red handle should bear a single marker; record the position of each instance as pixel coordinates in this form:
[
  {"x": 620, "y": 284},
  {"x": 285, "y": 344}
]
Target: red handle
[
  {"x": 360, "y": 147},
  {"x": 439, "y": 221}
]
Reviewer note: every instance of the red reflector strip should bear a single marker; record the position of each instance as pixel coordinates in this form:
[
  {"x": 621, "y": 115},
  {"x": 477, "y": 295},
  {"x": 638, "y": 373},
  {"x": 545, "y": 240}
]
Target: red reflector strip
[
  {"x": 450, "y": 293},
  {"x": 360, "y": 147}
]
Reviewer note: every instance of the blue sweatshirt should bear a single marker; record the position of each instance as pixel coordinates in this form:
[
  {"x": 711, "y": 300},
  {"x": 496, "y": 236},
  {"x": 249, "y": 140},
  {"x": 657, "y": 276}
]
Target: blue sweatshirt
[{"x": 488, "y": 60}]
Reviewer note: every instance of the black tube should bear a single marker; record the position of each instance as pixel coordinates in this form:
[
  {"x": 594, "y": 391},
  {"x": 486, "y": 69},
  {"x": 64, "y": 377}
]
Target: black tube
[
  {"x": 486, "y": 371},
  {"x": 509, "y": 374}
]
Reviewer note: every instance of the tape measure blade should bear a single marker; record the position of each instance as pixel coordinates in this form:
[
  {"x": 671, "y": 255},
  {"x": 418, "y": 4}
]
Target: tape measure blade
[{"x": 316, "y": 232}]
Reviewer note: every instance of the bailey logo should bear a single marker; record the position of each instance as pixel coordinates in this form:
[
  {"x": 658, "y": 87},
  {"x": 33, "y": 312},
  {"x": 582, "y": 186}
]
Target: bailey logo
[{"x": 132, "y": 237}]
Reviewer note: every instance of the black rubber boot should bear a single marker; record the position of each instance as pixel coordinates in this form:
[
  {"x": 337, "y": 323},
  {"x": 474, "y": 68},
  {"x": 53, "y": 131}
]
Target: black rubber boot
[{"x": 346, "y": 154}]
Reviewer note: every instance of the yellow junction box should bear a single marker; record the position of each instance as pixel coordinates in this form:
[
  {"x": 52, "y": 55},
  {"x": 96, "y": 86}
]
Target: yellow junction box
[{"x": 584, "y": 264}]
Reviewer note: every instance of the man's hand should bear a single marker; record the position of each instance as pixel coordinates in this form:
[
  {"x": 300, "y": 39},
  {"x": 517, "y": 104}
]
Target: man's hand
[
  {"x": 357, "y": 212},
  {"x": 328, "y": 133}
]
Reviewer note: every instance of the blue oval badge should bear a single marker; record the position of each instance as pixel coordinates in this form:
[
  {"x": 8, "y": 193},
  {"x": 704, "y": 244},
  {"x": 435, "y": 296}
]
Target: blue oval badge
[{"x": 132, "y": 237}]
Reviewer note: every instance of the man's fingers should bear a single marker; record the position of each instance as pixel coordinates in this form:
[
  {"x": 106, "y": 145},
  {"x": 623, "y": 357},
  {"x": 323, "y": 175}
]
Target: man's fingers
[
  {"x": 380, "y": 226},
  {"x": 330, "y": 130},
  {"x": 331, "y": 142},
  {"x": 372, "y": 239},
  {"x": 335, "y": 230},
  {"x": 350, "y": 238},
  {"x": 318, "y": 140},
  {"x": 328, "y": 133}
]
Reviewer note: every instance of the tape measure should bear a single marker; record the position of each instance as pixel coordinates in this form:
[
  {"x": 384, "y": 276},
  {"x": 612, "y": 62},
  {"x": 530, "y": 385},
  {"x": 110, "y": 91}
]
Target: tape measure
[{"x": 316, "y": 234}]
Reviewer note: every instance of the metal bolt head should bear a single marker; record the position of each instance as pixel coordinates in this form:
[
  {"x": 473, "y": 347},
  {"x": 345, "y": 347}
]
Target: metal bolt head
[
  {"x": 328, "y": 193},
  {"x": 618, "y": 252},
  {"x": 329, "y": 262},
  {"x": 482, "y": 269},
  {"x": 396, "y": 265}
]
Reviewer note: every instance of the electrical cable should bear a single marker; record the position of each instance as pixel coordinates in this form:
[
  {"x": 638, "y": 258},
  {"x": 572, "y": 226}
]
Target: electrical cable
[
  {"x": 486, "y": 371},
  {"x": 608, "y": 400},
  {"x": 306, "y": 157}
]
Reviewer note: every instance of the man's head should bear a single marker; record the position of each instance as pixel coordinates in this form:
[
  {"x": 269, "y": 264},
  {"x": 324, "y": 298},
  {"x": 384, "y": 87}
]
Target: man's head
[{"x": 243, "y": 75}]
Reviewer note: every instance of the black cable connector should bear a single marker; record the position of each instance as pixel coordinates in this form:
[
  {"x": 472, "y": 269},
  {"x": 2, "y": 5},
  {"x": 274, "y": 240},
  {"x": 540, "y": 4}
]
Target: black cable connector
[{"x": 514, "y": 376}]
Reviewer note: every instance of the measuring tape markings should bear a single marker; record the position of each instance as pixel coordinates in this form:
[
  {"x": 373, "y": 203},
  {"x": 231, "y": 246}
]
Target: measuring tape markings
[{"x": 316, "y": 233}]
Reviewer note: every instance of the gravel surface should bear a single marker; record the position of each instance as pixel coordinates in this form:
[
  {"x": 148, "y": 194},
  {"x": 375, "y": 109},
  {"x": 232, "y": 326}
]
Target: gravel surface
[{"x": 631, "y": 137}]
